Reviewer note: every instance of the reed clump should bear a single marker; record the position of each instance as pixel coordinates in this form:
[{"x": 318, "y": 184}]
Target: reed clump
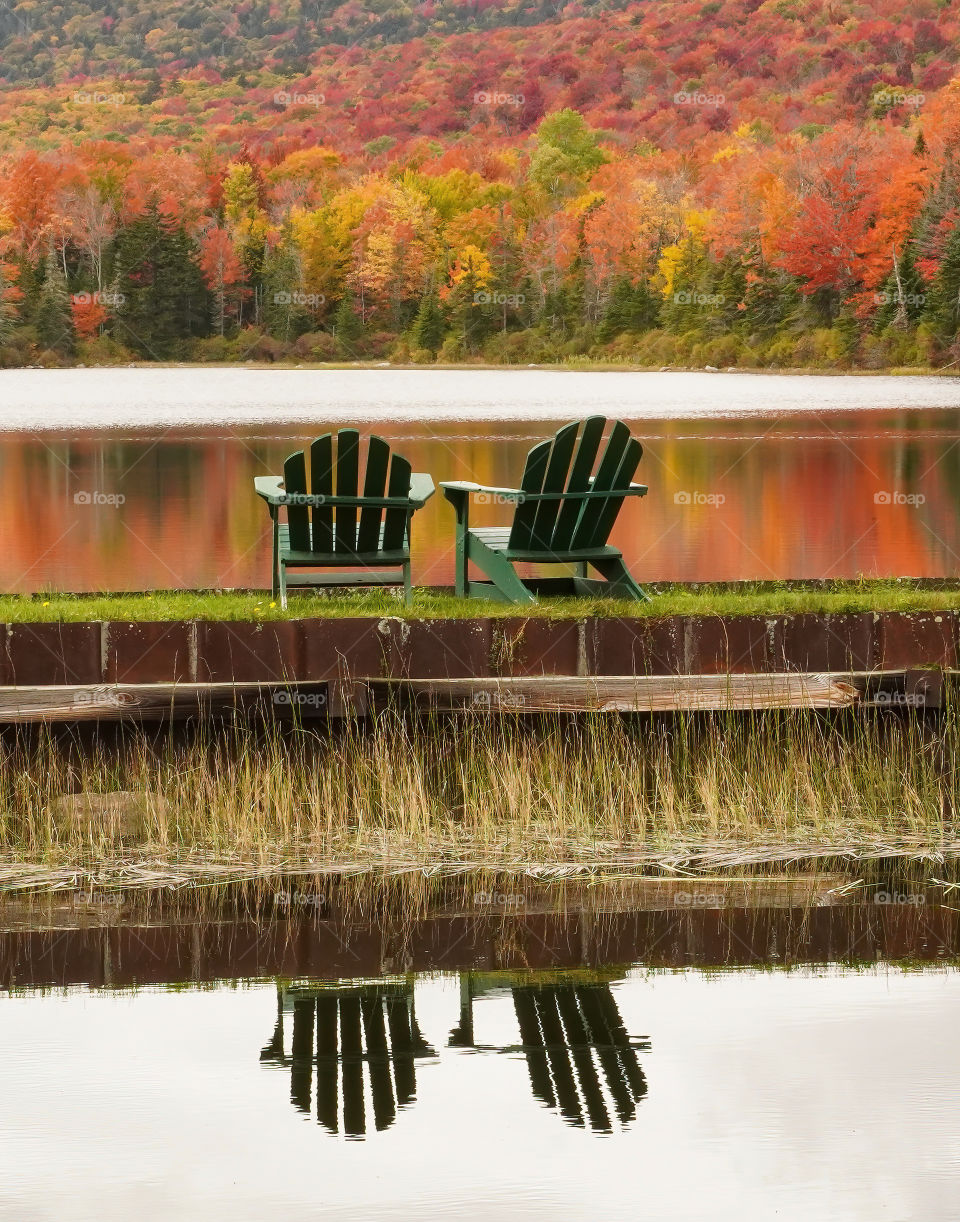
[{"x": 482, "y": 792}]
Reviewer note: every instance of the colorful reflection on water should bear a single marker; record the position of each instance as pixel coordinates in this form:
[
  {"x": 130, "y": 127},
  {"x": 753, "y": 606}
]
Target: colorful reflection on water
[{"x": 804, "y": 494}]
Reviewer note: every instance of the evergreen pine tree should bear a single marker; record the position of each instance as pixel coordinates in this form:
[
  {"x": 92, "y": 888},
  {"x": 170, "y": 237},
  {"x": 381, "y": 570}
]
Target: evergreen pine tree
[
  {"x": 284, "y": 317},
  {"x": 942, "y": 313},
  {"x": 8, "y": 310},
  {"x": 428, "y": 326},
  {"x": 732, "y": 289},
  {"x": 347, "y": 326},
  {"x": 53, "y": 318},
  {"x": 164, "y": 297},
  {"x": 903, "y": 295},
  {"x": 630, "y": 308}
]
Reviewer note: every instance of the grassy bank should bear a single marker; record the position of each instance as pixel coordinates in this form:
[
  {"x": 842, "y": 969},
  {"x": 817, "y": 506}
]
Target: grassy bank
[
  {"x": 559, "y": 797},
  {"x": 761, "y": 598}
]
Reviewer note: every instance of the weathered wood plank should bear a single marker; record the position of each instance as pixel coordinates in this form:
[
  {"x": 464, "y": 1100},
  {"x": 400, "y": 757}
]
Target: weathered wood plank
[
  {"x": 529, "y": 694},
  {"x": 629, "y": 693},
  {"x": 159, "y": 701}
]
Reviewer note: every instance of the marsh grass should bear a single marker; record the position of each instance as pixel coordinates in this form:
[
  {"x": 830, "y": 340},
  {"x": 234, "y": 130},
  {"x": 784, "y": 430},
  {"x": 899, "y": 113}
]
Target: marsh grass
[
  {"x": 552, "y": 796},
  {"x": 760, "y": 598}
]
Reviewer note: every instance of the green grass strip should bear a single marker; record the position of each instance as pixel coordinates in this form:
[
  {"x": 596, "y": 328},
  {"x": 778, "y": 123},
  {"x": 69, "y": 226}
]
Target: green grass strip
[{"x": 761, "y": 598}]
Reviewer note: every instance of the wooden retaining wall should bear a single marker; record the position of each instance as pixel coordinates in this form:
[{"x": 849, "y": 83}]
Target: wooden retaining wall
[
  {"x": 74, "y": 670},
  {"x": 321, "y": 947}
]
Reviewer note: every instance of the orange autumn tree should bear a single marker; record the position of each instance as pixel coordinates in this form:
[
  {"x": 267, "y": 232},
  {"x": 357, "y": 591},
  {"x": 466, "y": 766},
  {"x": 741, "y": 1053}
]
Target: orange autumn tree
[{"x": 222, "y": 272}]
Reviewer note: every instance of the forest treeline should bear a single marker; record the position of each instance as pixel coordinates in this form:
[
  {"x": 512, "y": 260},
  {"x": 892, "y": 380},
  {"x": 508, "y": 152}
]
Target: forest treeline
[{"x": 789, "y": 203}]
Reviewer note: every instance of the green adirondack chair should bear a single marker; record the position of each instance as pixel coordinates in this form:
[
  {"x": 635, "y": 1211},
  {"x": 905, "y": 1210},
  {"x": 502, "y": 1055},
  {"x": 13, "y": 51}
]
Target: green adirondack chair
[
  {"x": 343, "y": 529},
  {"x": 564, "y": 514}
]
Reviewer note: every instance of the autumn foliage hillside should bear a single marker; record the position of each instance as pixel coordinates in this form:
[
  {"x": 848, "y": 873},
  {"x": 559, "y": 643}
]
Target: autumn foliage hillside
[{"x": 667, "y": 183}]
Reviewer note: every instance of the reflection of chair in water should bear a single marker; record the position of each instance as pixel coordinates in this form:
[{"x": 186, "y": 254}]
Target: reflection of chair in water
[
  {"x": 339, "y": 1030},
  {"x": 574, "y": 1042}
]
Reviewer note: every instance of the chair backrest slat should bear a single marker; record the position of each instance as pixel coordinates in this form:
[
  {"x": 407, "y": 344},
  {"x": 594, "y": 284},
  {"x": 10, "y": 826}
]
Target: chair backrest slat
[
  {"x": 335, "y": 472},
  {"x": 348, "y": 470},
  {"x": 374, "y": 484},
  {"x": 521, "y": 533},
  {"x": 572, "y": 509},
  {"x": 586, "y": 533},
  {"x": 395, "y": 521},
  {"x": 298, "y": 516},
  {"x": 321, "y": 484},
  {"x": 555, "y": 480},
  {"x": 615, "y": 473}
]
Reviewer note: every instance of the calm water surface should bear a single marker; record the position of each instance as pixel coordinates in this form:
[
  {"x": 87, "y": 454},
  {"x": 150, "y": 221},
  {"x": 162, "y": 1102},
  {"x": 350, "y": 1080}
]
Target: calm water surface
[
  {"x": 741, "y": 1096},
  {"x": 723, "y": 1062},
  {"x": 143, "y": 478}
]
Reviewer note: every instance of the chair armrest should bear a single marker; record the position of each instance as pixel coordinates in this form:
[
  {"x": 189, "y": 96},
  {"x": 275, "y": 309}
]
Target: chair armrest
[
  {"x": 270, "y": 487},
  {"x": 633, "y": 490},
  {"x": 459, "y": 491},
  {"x": 463, "y": 488},
  {"x": 421, "y": 488}
]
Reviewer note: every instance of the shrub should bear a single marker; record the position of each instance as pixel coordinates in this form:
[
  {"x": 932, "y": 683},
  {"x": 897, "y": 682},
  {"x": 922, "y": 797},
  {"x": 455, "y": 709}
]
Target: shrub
[
  {"x": 451, "y": 350},
  {"x": 379, "y": 343},
  {"x": 316, "y": 346},
  {"x": 103, "y": 350}
]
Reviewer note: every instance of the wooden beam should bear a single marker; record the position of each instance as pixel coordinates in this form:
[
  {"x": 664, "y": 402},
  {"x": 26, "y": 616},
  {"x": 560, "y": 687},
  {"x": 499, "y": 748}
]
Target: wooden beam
[
  {"x": 624, "y": 693},
  {"x": 522, "y": 694},
  {"x": 162, "y": 701}
]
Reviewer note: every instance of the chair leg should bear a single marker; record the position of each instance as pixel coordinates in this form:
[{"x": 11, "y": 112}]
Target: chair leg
[
  {"x": 275, "y": 574},
  {"x": 460, "y": 575},
  {"x": 283, "y": 586},
  {"x": 407, "y": 586},
  {"x": 619, "y": 582},
  {"x": 500, "y": 571}
]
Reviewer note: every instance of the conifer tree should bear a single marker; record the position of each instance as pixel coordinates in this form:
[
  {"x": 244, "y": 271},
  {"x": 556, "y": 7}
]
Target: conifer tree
[
  {"x": 942, "y": 313},
  {"x": 428, "y": 326},
  {"x": 347, "y": 326},
  {"x": 164, "y": 297},
  {"x": 53, "y": 319},
  {"x": 903, "y": 294}
]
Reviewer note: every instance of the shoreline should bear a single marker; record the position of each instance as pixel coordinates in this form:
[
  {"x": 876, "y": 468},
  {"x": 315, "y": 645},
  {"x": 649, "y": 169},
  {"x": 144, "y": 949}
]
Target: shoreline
[{"x": 597, "y": 366}]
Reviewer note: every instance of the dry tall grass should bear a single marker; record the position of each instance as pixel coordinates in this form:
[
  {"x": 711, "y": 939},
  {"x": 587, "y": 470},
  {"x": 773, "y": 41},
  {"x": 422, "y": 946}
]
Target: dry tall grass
[{"x": 557, "y": 795}]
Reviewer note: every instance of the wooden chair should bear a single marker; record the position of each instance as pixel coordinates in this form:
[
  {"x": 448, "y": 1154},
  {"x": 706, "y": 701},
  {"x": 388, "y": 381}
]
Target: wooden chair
[
  {"x": 564, "y": 514},
  {"x": 341, "y": 528}
]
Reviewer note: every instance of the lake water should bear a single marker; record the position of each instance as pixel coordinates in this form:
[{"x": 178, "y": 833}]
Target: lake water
[
  {"x": 736, "y": 1064},
  {"x": 143, "y": 478}
]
